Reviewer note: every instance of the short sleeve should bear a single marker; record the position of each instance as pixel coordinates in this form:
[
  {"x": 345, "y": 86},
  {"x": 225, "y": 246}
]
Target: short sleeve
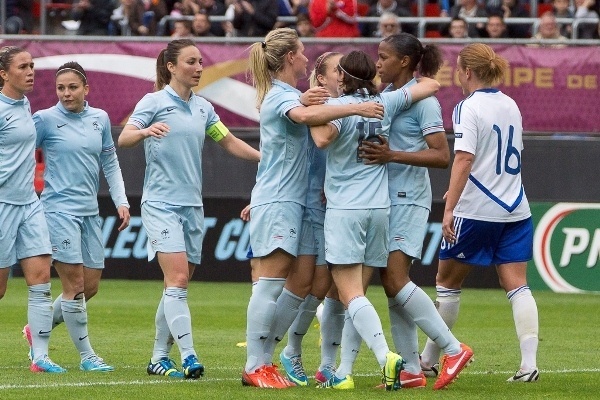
[{"x": 464, "y": 120}]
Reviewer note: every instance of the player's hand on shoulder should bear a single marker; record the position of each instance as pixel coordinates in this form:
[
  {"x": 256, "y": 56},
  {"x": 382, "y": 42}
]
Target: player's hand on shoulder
[
  {"x": 314, "y": 96},
  {"x": 371, "y": 109},
  {"x": 157, "y": 130}
]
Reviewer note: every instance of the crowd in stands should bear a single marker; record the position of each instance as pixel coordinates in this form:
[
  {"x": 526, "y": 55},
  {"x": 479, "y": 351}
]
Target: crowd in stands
[{"x": 319, "y": 18}]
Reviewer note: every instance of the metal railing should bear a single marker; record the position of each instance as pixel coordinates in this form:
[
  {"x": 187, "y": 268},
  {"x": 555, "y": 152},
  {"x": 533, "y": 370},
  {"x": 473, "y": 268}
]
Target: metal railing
[{"x": 421, "y": 22}]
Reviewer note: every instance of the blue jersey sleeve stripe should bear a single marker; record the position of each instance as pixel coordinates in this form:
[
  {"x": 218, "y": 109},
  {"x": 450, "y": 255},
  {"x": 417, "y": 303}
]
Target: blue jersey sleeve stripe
[
  {"x": 509, "y": 208},
  {"x": 109, "y": 149}
]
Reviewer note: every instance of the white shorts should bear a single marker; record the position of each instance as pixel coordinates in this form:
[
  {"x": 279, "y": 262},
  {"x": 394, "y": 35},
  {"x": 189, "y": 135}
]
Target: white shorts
[
  {"x": 275, "y": 226},
  {"x": 408, "y": 227},
  {"x": 357, "y": 237},
  {"x": 312, "y": 240},
  {"x": 173, "y": 229},
  {"x": 23, "y": 232},
  {"x": 76, "y": 240}
]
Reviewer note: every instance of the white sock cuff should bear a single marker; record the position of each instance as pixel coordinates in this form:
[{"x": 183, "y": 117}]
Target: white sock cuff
[
  {"x": 175, "y": 293},
  {"x": 519, "y": 292},
  {"x": 445, "y": 295},
  {"x": 292, "y": 295},
  {"x": 406, "y": 293},
  {"x": 40, "y": 287},
  {"x": 272, "y": 287},
  {"x": 357, "y": 304}
]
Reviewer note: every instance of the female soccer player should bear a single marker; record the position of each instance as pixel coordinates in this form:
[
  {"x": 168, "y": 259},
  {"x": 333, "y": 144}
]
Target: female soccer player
[
  {"x": 279, "y": 196},
  {"x": 417, "y": 141},
  {"x": 24, "y": 236},
  {"x": 76, "y": 140},
  {"x": 356, "y": 220},
  {"x": 173, "y": 122},
  {"x": 487, "y": 220},
  {"x": 309, "y": 276}
]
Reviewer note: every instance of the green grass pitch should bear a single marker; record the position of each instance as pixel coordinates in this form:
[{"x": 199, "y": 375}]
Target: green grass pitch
[{"x": 121, "y": 320}]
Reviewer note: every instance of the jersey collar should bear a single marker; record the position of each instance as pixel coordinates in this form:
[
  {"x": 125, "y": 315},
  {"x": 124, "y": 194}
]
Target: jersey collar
[
  {"x": 9, "y": 100},
  {"x": 487, "y": 90},
  {"x": 65, "y": 111}
]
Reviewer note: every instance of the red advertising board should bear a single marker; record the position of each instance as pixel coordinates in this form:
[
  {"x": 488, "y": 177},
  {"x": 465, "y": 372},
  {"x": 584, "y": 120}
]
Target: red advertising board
[{"x": 556, "y": 89}]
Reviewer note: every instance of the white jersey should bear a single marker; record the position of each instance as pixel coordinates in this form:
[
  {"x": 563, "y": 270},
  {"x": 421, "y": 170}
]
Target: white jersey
[{"x": 488, "y": 124}]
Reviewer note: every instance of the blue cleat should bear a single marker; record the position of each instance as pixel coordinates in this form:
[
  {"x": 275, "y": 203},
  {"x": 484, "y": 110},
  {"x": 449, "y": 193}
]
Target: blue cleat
[
  {"x": 45, "y": 364},
  {"x": 294, "y": 369},
  {"x": 164, "y": 366},
  {"x": 192, "y": 369},
  {"x": 95, "y": 363}
]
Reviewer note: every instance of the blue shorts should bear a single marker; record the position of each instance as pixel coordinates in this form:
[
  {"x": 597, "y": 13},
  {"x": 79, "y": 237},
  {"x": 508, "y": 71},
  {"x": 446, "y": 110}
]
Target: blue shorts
[
  {"x": 312, "y": 238},
  {"x": 173, "y": 229},
  {"x": 76, "y": 240},
  {"x": 23, "y": 232},
  {"x": 408, "y": 227},
  {"x": 490, "y": 243},
  {"x": 275, "y": 226},
  {"x": 357, "y": 237}
]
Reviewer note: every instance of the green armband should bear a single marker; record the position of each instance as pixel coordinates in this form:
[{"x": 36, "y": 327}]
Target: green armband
[{"x": 217, "y": 131}]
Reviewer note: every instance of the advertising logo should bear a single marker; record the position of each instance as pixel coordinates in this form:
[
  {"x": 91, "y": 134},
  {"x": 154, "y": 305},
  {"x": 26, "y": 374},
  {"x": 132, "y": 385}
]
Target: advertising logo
[{"x": 566, "y": 247}]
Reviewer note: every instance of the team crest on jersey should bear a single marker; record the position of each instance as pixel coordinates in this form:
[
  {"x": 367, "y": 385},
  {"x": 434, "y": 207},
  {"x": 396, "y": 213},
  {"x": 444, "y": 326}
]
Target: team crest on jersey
[
  {"x": 165, "y": 233},
  {"x": 66, "y": 244},
  {"x": 96, "y": 126}
]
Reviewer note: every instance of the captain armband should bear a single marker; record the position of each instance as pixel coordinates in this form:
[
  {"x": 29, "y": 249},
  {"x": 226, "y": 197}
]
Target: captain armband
[{"x": 217, "y": 131}]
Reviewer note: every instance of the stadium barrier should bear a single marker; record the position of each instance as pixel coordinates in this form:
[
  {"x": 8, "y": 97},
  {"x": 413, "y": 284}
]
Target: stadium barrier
[{"x": 121, "y": 72}]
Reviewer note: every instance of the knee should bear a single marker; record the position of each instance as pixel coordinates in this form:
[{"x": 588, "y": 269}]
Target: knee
[{"x": 90, "y": 292}]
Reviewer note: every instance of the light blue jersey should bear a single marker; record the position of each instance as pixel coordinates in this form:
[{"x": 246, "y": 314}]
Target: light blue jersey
[
  {"x": 349, "y": 183},
  {"x": 75, "y": 145},
  {"x": 410, "y": 184},
  {"x": 282, "y": 170},
  {"x": 17, "y": 147},
  {"x": 317, "y": 159},
  {"x": 174, "y": 162}
]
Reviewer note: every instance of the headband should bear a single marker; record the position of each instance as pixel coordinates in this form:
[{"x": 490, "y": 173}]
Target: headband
[
  {"x": 74, "y": 70},
  {"x": 352, "y": 76},
  {"x": 321, "y": 59}
]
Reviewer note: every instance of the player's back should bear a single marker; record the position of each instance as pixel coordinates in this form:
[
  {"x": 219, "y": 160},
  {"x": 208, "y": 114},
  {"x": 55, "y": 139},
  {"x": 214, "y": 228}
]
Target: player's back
[{"x": 489, "y": 124}]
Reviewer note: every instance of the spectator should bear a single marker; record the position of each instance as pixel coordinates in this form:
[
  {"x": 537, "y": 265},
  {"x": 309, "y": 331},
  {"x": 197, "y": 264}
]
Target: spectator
[
  {"x": 512, "y": 9},
  {"x": 399, "y": 8},
  {"x": 548, "y": 30},
  {"x": 560, "y": 8},
  {"x": 388, "y": 25},
  {"x": 470, "y": 9},
  {"x": 458, "y": 28},
  {"x": 288, "y": 8},
  {"x": 182, "y": 29},
  {"x": 126, "y": 20},
  {"x": 94, "y": 16},
  {"x": 154, "y": 11},
  {"x": 585, "y": 10},
  {"x": 185, "y": 7},
  {"x": 201, "y": 25},
  {"x": 333, "y": 18},
  {"x": 254, "y": 17},
  {"x": 19, "y": 16},
  {"x": 495, "y": 27},
  {"x": 214, "y": 8},
  {"x": 303, "y": 26}
]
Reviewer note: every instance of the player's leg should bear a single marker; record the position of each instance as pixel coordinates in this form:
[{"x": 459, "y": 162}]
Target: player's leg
[
  {"x": 513, "y": 252},
  {"x": 297, "y": 283},
  {"x": 331, "y": 328},
  {"x": 33, "y": 250},
  {"x": 4, "y": 273}
]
